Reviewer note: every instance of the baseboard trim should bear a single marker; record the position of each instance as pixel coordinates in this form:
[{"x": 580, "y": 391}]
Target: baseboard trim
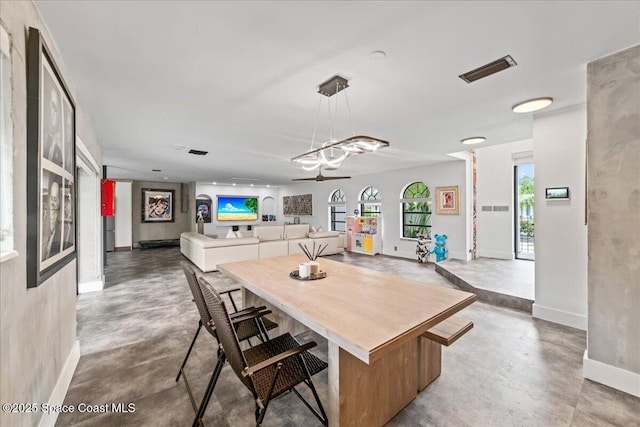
[
  {"x": 60, "y": 390},
  {"x": 495, "y": 254},
  {"x": 612, "y": 376},
  {"x": 558, "y": 316},
  {"x": 85, "y": 287},
  {"x": 414, "y": 256}
]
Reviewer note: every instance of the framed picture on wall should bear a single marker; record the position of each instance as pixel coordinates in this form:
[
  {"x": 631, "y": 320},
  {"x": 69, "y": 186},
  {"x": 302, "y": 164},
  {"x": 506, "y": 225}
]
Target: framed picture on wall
[
  {"x": 203, "y": 210},
  {"x": 557, "y": 193},
  {"x": 157, "y": 205},
  {"x": 448, "y": 200},
  {"x": 51, "y": 149}
]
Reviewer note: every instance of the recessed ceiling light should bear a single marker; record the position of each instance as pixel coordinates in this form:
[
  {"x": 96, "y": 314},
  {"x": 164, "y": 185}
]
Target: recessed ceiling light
[
  {"x": 234, "y": 184},
  {"x": 268, "y": 185},
  {"x": 473, "y": 140},
  {"x": 166, "y": 177},
  {"x": 377, "y": 55},
  {"x": 252, "y": 185},
  {"x": 531, "y": 105},
  {"x": 214, "y": 183}
]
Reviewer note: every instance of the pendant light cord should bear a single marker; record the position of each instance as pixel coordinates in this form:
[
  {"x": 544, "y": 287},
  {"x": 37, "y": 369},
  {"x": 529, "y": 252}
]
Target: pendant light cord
[
  {"x": 315, "y": 126},
  {"x": 335, "y": 116},
  {"x": 353, "y": 129}
]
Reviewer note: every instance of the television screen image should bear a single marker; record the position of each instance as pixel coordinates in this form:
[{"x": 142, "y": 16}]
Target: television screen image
[{"x": 237, "y": 208}]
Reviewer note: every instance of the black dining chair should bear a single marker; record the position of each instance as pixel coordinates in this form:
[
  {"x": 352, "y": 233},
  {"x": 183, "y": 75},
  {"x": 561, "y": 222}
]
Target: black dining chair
[
  {"x": 268, "y": 369},
  {"x": 248, "y": 323}
]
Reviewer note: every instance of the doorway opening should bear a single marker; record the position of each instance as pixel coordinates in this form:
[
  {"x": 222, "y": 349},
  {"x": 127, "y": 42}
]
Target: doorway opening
[
  {"x": 524, "y": 229},
  {"x": 89, "y": 228}
]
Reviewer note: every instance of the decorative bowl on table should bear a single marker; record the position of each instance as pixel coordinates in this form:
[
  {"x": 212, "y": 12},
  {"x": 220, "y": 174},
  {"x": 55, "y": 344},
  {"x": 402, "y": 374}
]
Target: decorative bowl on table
[{"x": 295, "y": 274}]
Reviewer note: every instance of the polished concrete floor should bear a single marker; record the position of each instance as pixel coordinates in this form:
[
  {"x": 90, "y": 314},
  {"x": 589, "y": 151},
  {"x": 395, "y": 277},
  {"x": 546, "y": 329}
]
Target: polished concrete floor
[
  {"x": 509, "y": 283},
  {"x": 509, "y": 370}
]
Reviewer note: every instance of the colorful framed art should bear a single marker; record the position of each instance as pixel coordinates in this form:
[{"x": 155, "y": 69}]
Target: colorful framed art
[{"x": 448, "y": 200}]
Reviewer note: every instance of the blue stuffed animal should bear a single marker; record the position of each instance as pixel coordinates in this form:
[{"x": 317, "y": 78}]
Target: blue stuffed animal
[{"x": 439, "y": 249}]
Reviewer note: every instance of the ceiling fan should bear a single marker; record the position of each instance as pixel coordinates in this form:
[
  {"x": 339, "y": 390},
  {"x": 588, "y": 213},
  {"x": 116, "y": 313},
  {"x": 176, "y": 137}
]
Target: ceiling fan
[{"x": 320, "y": 177}]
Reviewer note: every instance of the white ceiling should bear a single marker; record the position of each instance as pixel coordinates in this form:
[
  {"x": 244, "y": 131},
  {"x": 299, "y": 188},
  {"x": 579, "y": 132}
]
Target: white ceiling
[{"x": 239, "y": 79}]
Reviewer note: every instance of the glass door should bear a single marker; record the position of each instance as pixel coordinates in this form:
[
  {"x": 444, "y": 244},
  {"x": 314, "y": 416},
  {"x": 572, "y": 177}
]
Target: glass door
[{"x": 524, "y": 203}]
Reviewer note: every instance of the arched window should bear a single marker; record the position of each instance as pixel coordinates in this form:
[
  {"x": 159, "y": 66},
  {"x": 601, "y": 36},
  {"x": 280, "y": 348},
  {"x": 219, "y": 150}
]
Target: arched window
[
  {"x": 415, "y": 205},
  {"x": 337, "y": 211},
  {"x": 370, "y": 202}
]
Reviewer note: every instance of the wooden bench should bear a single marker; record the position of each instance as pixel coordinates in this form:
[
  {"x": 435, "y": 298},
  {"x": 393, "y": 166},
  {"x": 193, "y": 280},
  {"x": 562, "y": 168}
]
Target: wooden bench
[{"x": 430, "y": 347}]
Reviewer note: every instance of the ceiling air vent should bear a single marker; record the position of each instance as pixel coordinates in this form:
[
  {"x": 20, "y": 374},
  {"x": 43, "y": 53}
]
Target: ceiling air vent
[
  {"x": 198, "y": 152},
  {"x": 488, "y": 69},
  {"x": 244, "y": 179}
]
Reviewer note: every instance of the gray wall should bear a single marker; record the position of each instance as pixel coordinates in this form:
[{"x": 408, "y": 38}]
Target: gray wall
[
  {"x": 191, "y": 197},
  {"x": 156, "y": 231},
  {"x": 613, "y": 115},
  {"x": 37, "y": 326}
]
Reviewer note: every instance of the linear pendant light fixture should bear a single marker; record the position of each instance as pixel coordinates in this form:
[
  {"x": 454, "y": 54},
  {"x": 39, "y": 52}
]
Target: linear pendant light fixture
[{"x": 332, "y": 153}]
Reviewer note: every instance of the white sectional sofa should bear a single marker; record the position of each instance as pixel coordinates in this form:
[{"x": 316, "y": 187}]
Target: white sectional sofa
[{"x": 267, "y": 241}]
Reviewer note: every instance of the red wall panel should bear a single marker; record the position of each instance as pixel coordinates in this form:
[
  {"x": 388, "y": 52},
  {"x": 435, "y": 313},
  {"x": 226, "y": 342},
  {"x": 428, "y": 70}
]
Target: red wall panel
[{"x": 108, "y": 197}]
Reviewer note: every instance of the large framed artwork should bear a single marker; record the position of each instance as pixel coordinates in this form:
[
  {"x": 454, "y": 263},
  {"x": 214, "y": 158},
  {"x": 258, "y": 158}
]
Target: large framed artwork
[
  {"x": 51, "y": 153},
  {"x": 157, "y": 205},
  {"x": 448, "y": 200},
  {"x": 297, "y": 205}
]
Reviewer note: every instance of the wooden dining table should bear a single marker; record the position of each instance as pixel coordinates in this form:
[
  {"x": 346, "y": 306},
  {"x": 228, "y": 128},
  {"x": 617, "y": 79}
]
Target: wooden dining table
[{"x": 372, "y": 321}]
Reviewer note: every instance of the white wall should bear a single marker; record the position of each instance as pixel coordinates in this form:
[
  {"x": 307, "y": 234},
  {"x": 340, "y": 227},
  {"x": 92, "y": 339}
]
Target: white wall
[
  {"x": 221, "y": 228},
  {"x": 494, "y": 175},
  {"x": 390, "y": 185},
  {"x": 123, "y": 215},
  {"x": 561, "y": 235}
]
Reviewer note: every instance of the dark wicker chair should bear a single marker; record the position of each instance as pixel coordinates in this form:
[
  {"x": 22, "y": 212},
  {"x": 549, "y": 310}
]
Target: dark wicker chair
[
  {"x": 248, "y": 323},
  {"x": 268, "y": 369}
]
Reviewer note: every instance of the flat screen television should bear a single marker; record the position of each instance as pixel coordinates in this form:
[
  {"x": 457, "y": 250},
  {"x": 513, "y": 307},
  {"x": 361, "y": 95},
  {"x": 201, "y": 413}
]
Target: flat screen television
[{"x": 237, "y": 208}]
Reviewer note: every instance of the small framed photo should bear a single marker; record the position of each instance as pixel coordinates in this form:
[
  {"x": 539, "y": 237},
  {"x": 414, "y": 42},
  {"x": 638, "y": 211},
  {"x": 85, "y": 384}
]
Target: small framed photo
[
  {"x": 448, "y": 200},
  {"x": 557, "y": 193},
  {"x": 203, "y": 210},
  {"x": 157, "y": 205}
]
